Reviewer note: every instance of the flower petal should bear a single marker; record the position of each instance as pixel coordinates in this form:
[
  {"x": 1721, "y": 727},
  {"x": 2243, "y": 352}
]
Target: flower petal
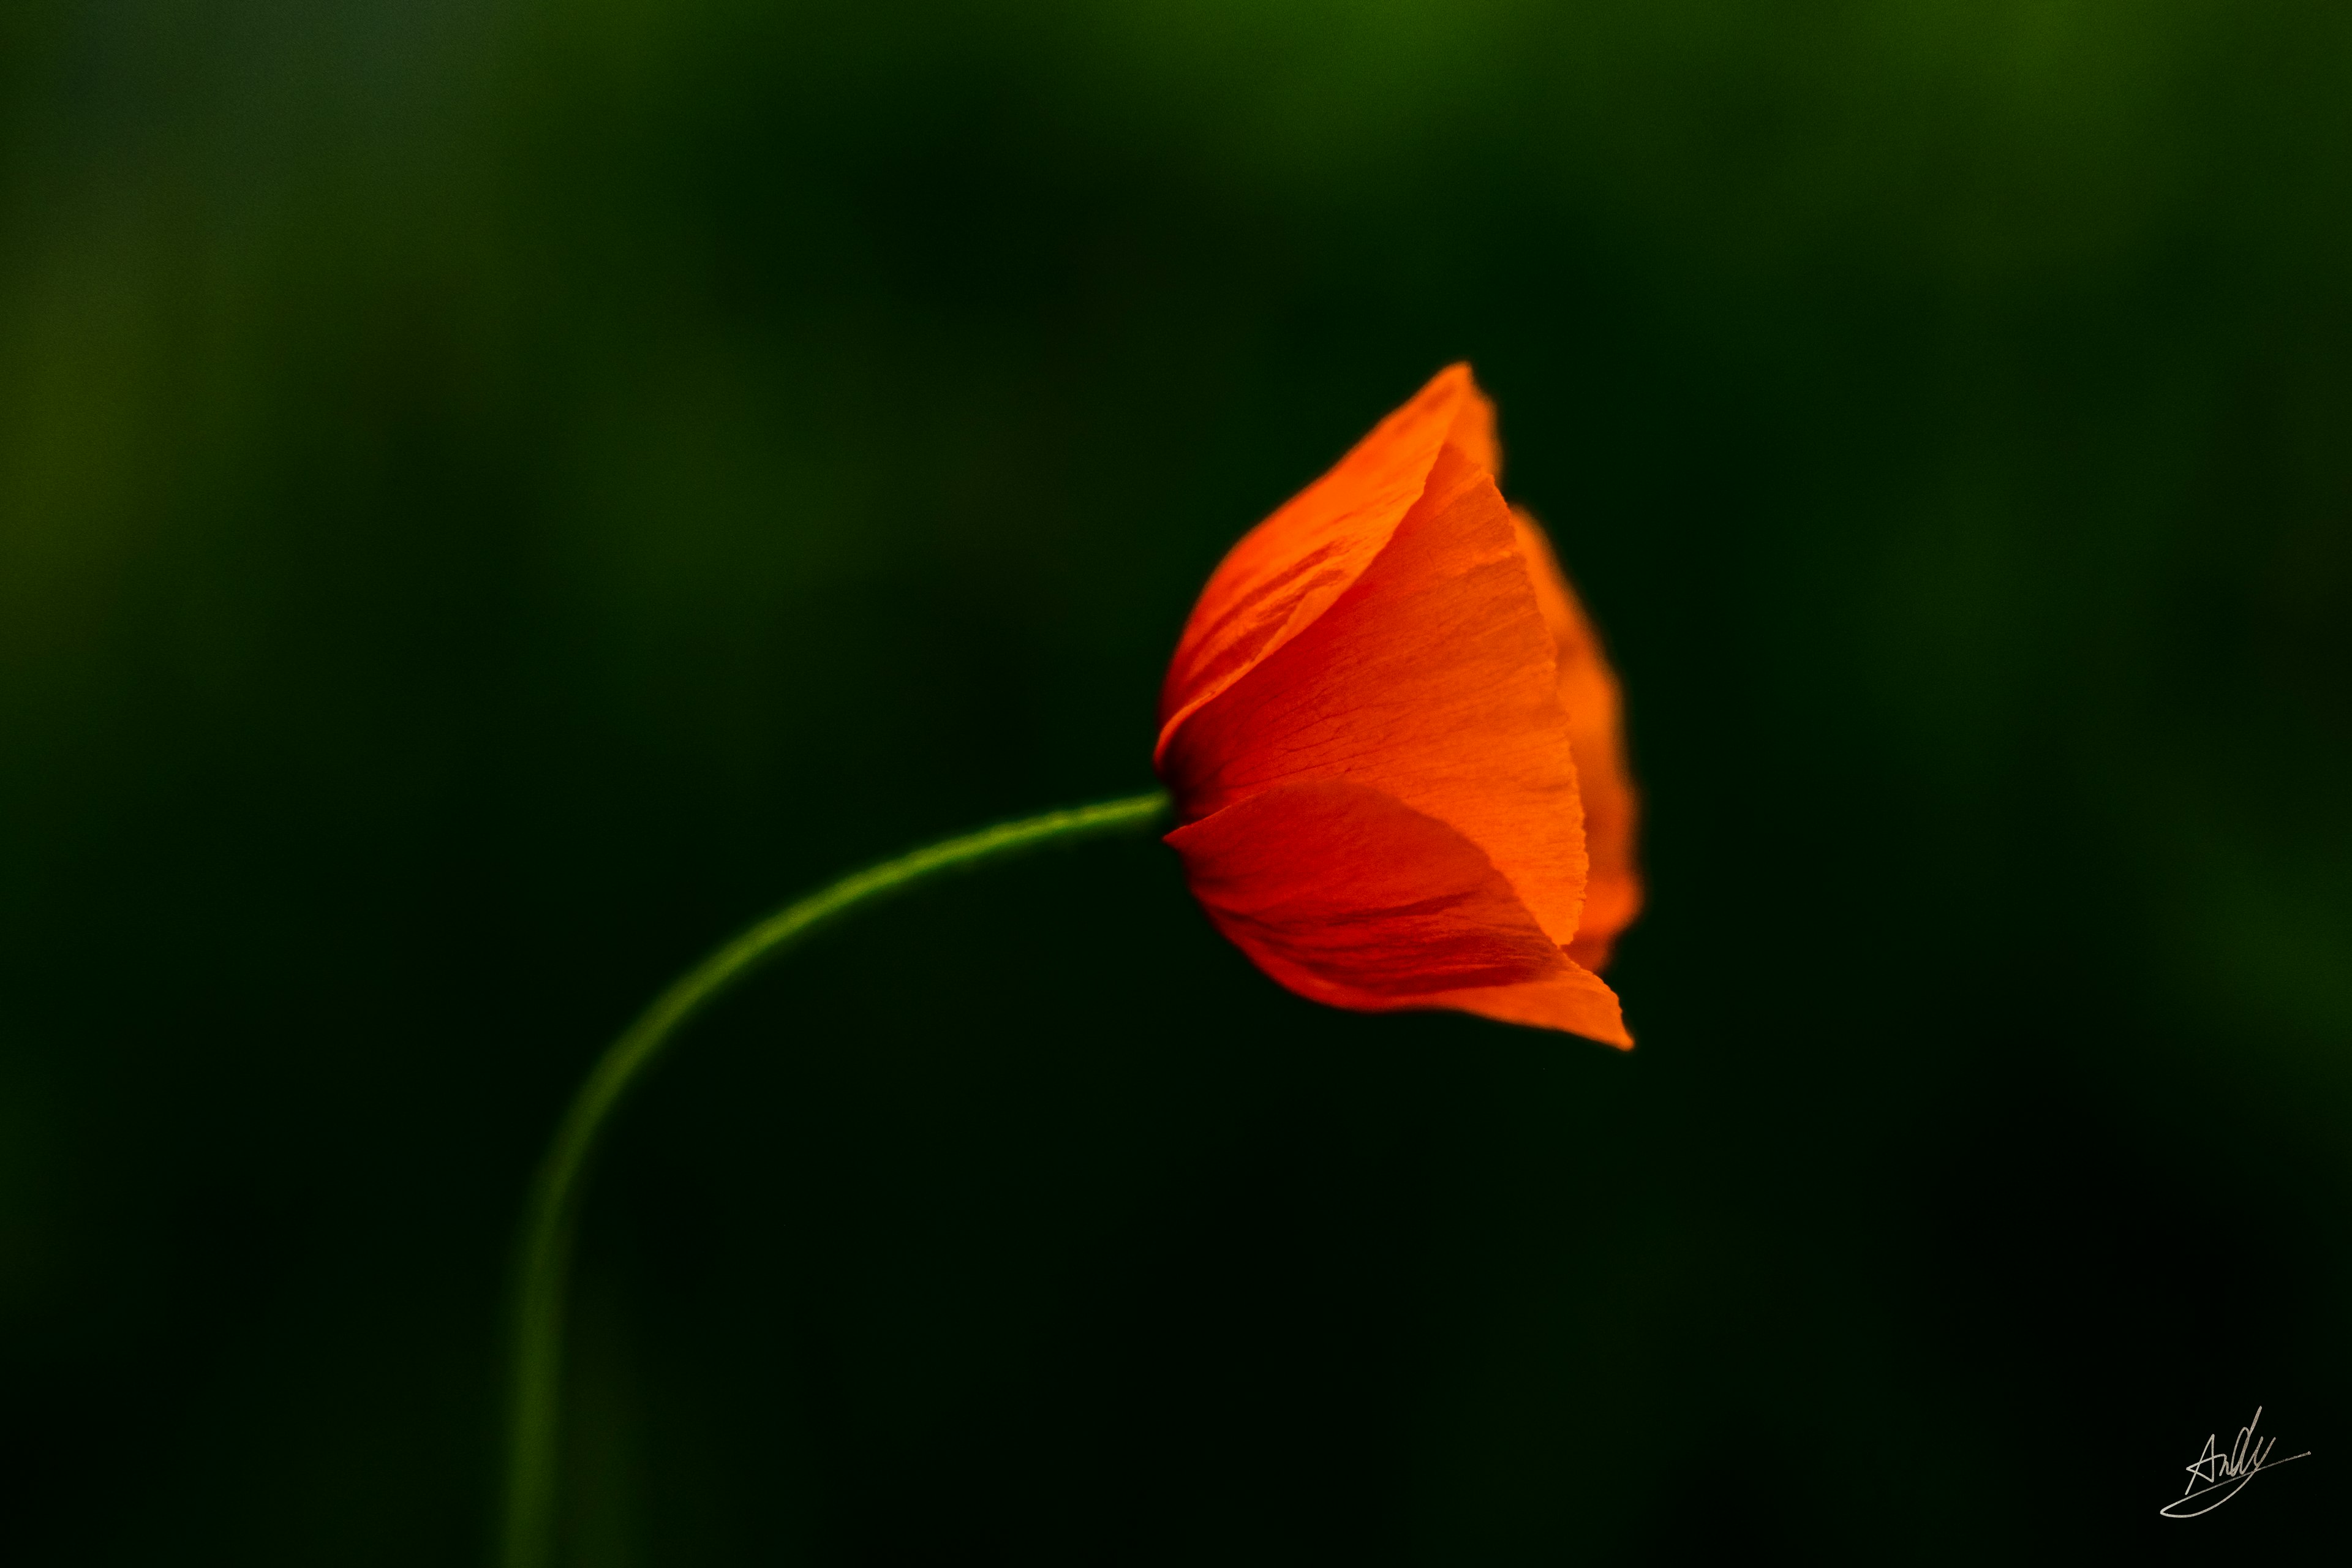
[
  {"x": 1578, "y": 1001},
  {"x": 1590, "y": 695},
  {"x": 1347, "y": 896},
  {"x": 1292, "y": 567},
  {"x": 1432, "y": 680}
]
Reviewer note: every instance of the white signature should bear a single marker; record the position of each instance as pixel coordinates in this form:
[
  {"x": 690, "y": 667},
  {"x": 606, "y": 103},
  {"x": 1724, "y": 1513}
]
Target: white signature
[{"x": 2216, "y": 1477}]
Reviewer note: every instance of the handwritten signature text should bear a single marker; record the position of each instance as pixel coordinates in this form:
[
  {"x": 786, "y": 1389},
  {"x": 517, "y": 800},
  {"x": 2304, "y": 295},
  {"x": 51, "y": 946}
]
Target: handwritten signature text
[{"x": 2216, "y": 1477}]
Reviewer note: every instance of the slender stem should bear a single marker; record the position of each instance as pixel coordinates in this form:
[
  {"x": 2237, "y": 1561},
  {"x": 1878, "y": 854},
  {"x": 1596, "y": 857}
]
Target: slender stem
[{"x": 543, "y": 1260}]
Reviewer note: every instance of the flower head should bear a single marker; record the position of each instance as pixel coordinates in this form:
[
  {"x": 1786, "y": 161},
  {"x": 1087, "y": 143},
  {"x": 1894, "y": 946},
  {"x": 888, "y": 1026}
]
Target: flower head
[{"x": 1394, "y": 746}]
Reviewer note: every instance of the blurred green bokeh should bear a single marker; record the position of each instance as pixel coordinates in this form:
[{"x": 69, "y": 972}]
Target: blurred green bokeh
[{"x": 493, "y": 498}]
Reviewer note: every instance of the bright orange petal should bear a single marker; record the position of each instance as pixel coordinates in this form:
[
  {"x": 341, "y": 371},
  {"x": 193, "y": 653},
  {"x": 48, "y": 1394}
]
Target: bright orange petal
[
  {"x": 1348, "y": 897},
  {"x": 1291, "y": 568},
  {"x": 1590, "y": 695},
  {"x": 1432, "y": 679},
  {"x": 1576, "y": 1000},
  {"x": 1473, "y": 427},
  {"x": 1360, "y": 897},
  {"x": 1374, "y": 730}
]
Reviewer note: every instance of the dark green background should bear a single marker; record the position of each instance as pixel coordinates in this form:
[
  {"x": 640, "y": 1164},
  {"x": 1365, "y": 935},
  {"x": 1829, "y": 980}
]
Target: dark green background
[{"x": 492, "y": 498}]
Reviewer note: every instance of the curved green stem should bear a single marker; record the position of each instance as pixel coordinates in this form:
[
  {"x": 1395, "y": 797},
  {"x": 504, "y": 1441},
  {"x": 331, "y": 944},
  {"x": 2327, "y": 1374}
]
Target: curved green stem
[{"x": 543, "y": 1260}]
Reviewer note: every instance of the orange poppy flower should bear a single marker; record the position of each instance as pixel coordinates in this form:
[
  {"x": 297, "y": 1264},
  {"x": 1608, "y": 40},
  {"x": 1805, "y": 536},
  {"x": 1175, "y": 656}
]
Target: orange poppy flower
[{"x": 1394, "y": 744}]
